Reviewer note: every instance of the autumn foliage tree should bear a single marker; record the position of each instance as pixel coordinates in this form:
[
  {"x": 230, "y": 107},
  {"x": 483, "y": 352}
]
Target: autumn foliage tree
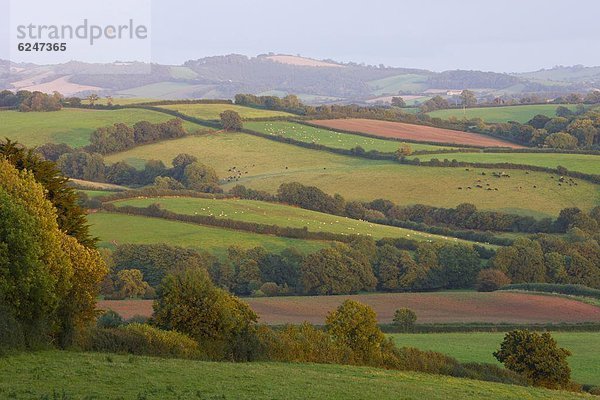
[
  {"x": 62, "y": 276},
  {"x": 354, "y": 325},
  {"x": 224, "y": 326}
]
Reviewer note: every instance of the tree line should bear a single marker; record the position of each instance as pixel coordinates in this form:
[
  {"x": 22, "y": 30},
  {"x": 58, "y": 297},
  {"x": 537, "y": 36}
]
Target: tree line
[{"x": 26, "y": 101}]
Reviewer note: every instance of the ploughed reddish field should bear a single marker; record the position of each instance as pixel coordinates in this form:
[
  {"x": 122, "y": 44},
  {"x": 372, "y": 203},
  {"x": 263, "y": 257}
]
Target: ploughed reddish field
[
  {"x": 443, "y": 307},
  {"x": 399, "y": 130}
]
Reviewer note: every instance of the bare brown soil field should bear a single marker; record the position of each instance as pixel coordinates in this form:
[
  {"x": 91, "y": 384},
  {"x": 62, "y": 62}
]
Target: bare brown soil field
[
  {"x": 444, "y": 307},
  {"x": 399, "y": 130}
]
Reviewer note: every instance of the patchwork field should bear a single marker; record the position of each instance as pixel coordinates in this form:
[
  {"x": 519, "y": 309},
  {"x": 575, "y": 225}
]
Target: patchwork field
[
  {"x": 326, "y": 137},
  {"x": 113, "y": 229},
  {"x": 67, "y": 375},
  {"x": 266, "y": 164},
  {"x": 479, "y": 346},
  {"x": 213, "y": 111},
  {"x": 438, "y": 307},
  {"x": 72, "y": 126},
  {"x": 586, "y": 163},
  {"x": 398, "y": 83},
  {"x": 414, "y": 132},
  {"x": 520, "y": 114},
  {"x": 281, "y": 215}
]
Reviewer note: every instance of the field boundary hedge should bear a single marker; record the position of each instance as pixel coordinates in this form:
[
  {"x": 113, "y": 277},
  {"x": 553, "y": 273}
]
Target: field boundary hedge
[
  {"x": 491, "y": 327},
  {"x": 557, "y": 288},
  {"x": 275, "y": 230}
]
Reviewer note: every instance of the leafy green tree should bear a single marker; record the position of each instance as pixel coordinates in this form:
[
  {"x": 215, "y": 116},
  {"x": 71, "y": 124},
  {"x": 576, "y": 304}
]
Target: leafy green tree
[
  {"x": 537, "y": 357},
  {"x": 130, "y": 283},
  {"x": 200, "y": 177},
  {"x": 398, "y": 102},
  {"x": 584, "y": 130},
  {"x": 561, "y": 140},
  {"x": 231, "y": 121},
  {"x": 223, "y": 325},
  {"x": 522, "y": 262},
  {"x": 25, "y": 284},
  {"x": 489, "y": 280},
  {"x": 334, "y": 271},
  {"x": 468, "y": 98},
  {"x": 459, "y": 265},
  {"x": 354, "y": 325},
  {"x": 92, "y": 99},
  {"x": 405, "y": 318}
]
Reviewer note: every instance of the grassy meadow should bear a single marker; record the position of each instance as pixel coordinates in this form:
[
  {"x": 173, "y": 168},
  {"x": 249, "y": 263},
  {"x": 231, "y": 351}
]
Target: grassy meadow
[
  {"x": 479, "y": 346},
  {"x": 266, "y": 164},
  {"x": 326, "y": 137},
  {"x": 281, "y": 215},
  {"x": 67, "y": 375},
  {"x": 502, "y": 114},
  {"x": 113, "y": 229},
  {"x": 213, "y": 111},
  {"x": 589, "y": 164},
  {"x": 72, "y": 126}
]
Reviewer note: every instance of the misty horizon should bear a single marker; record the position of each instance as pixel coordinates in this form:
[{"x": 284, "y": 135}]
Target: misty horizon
[{"x": 509, "y": 37}]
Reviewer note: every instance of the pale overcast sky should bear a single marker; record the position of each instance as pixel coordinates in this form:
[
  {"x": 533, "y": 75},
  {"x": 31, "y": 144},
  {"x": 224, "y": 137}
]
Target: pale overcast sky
[{"x": 503, "y": 35}]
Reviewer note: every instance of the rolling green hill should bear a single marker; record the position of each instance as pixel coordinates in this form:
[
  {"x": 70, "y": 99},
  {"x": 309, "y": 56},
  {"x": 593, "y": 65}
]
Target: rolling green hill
[
  {"x": 502, "y": 114},
  {"x": 115, "y": 229},
  {"x": 398, "y": 83},
  {"x": 67, "y": 375},
  {"x": 72, "y": 126},
  {"x": 479, "y": 346},
  {"x": 281, "y": 215},
  {"x": 266, "y": 164}
]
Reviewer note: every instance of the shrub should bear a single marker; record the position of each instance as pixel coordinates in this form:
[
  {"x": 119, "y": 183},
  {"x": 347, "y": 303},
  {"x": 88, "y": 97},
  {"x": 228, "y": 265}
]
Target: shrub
[
  {"x": 405, "y": 318},
  {"x": 231, "y": 120},
  {"x": 302, "y": 343},
  {"x": 489, "y": 280},
  {"x": 270, "y": 289},
  {"x": 141, "y": 339},
  {"x": 536, "y": 357},
  {"x": 110, "y": 319}
]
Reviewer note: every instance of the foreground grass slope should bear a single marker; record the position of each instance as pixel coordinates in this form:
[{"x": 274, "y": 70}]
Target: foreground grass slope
[
  {"x": 479, "y": 346},
  {"x": 72, "y": 126},
  {"x": 520, "y": 114},
  {"x": 278, "y": 214},
  {"x": 113, "y": 229},
  {"x": 102, "y": 376},
  {"x": 266, "y": 164}
]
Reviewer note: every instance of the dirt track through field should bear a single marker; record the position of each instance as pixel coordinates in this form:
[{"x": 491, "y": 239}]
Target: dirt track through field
[
  {"x": 398, "y": 130},
  {"x": 445, "y": 307}
]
